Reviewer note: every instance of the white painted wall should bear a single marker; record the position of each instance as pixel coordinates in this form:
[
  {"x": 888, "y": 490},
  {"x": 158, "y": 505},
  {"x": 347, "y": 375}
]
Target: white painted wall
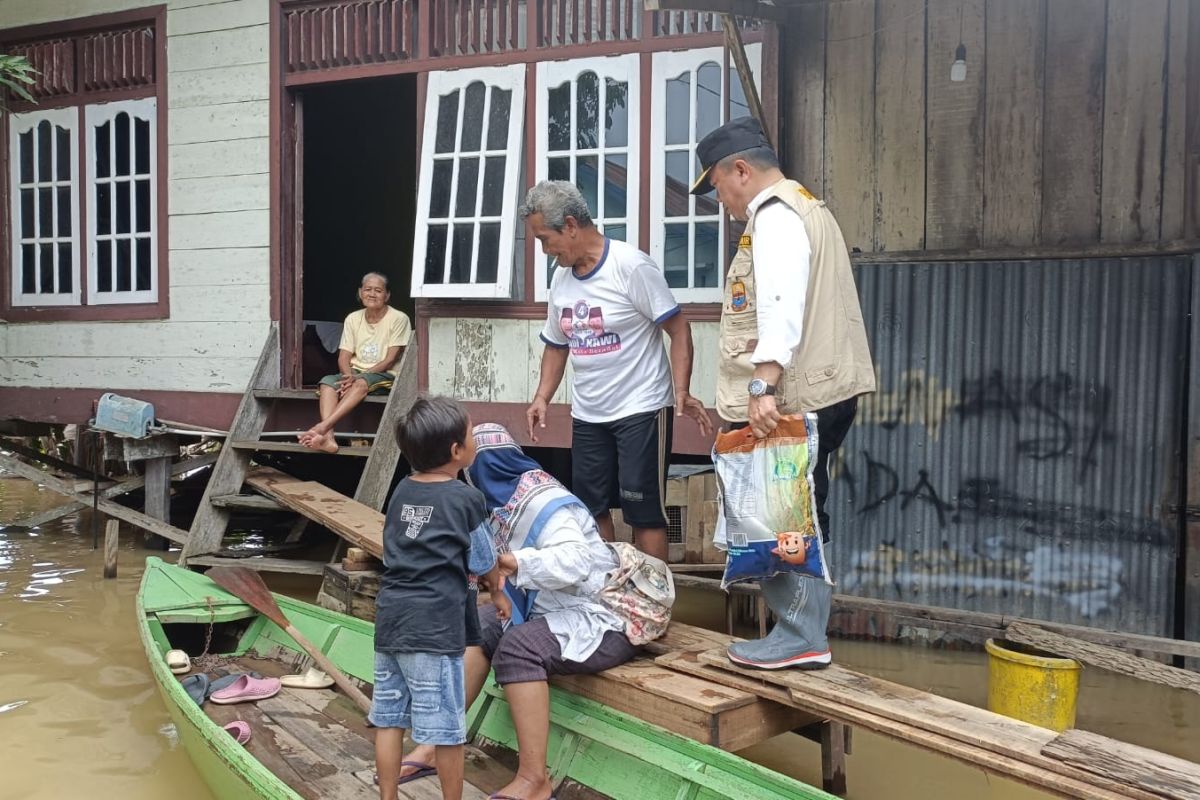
[
  {"x": 497, "y": 360},
  {"x": 218, "y": 200}
]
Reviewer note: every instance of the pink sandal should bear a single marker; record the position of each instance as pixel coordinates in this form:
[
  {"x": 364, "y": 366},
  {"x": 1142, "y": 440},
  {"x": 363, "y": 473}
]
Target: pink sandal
[
  {"x": 240, "y": 730},
  {"x": 246, "y": 689}
]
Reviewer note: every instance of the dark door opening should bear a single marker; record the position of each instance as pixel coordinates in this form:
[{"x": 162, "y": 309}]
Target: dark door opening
[{"x": 359, "y": 197}]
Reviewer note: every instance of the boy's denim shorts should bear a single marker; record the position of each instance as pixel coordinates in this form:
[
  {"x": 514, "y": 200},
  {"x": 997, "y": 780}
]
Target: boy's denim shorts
[{"x": 423, "y": 693}]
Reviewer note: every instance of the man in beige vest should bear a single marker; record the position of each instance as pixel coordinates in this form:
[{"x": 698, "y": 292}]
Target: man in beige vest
[{"x": 792, "y": 340}]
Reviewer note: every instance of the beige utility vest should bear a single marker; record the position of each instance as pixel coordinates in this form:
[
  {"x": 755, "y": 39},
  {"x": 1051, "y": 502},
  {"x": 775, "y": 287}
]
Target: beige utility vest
[{"x": 833, "y": 362}]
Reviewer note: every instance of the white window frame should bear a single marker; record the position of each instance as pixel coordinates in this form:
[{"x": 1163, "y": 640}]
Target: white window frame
[
  {"x": 666, "y": 66},
  {"x": 512, "y": 79},
  {"x": 67, "y": 118},
  {"x": 551, "y": 75},
  {"x": 95, "y": 116}
]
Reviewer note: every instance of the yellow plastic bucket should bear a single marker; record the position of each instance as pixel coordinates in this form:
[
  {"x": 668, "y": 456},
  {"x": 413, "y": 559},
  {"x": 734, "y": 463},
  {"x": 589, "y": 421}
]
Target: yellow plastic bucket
[{"x": 1032, "y": 686}]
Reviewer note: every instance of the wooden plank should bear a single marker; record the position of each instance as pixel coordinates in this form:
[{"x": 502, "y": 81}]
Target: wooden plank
[
  {"x": 224, "y": 48},
  {"x": 1191, "y": 165},
  {"x": 213, "y": 17},
  {"x": 309, "y": 395},
  {"x": 222, "y": 267},
  {"x": 359, "y": 525},
  {"x": 509, "y": 368},
  {"x": 443, "y": 341},
  {"x": 803, "y": 144},
  {"x": 693, "y": 527},
  {"x": 177, "y": 340},
  {"x": 954, "y": 159},
  {"x": 1174, "y": 200},
  {"x": 356, "y": 451},
  {"x": 130, "y": 374},
  {"x": 850, "y": 121},
  {"x": 1102, "y": 657},
  {"x": 709, "y": 513},
  {"x": 1131, "y": 200},
  {"x": 1157, "y": 772},
  {"x": 253, "y": 502},
  {"x": 965, "y": 753},
  {"x": 17, "y": 467},
  {"x": 376, "y": 478},
  {"x": 1012, "y": 157},
  {"x": 967, "y": 724},
  {"x": 292, "y": 566},
  {"x": 226, "y": 122},
  {"x": 687, "y": 638},
  {"x": 472, "y": 376},
  {"x": 227, "y": 193},
  {"x": 1074, "y": 121},
  {"x": 217, "y": 159},
  {"x": 208, "y": 525},
  {"x": 221, "y": 229},
  {"x": 900, "y": 126},
  {"x": 207, "y": 87}
]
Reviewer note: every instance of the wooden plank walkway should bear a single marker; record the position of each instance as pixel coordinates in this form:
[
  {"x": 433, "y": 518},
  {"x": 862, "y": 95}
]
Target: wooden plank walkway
[
  {"x": 358, "y": 524},
  {"x": 973, "y": 735}
]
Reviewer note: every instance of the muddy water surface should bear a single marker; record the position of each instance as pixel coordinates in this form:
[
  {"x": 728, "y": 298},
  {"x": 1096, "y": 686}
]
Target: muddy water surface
[{"x": 79, "y": 715}]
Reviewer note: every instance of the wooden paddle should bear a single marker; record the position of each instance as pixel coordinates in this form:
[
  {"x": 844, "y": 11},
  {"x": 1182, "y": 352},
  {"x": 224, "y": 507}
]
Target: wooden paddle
[{"x": 245, "y": 584}]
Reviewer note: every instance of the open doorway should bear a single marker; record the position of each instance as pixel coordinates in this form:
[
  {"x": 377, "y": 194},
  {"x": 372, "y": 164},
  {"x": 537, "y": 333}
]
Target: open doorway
[{"x": 359, "y": 169}]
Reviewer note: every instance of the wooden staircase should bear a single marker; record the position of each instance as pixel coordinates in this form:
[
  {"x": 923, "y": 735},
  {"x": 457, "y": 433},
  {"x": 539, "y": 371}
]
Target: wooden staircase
[{"x": 236, "y": 485}]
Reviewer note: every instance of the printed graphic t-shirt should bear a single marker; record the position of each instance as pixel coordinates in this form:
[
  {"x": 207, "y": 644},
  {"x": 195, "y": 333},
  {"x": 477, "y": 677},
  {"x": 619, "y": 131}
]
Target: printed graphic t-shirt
[
  {"x": 609, "y": 319},
  {"x": 369, "y": 343},
  {"x": 422, "y": 604}
]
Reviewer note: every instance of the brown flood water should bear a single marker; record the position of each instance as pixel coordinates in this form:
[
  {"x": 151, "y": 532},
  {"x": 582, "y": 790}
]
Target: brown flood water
[{"x": 80, "y": 715}]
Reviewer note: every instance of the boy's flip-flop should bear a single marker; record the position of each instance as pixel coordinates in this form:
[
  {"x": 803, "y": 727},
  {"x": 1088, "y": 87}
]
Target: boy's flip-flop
[
  {"x": 422, "y": 771},
  {"x": 240, "y": 730},
  {"x": 312, "y": 679},
  {"x": 196, "y": 687},
  {"x": 246, "y": 689}
]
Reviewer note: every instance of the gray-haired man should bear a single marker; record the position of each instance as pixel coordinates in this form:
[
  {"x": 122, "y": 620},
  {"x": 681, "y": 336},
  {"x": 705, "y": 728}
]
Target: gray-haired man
[{"x": 607, "y": 307}]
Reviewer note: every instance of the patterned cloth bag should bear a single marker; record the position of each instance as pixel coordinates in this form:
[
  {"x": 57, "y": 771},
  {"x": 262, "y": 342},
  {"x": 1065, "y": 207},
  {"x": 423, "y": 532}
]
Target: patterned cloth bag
[
  {"x": 768, "y": 515},
  {"x": 640, "y": 591}
]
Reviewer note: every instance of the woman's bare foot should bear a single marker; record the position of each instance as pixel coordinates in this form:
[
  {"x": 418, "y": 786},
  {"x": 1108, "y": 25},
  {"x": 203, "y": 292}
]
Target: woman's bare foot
[
  {"x": 322, "y": 441},
  {"x": 528, "y": 789}
]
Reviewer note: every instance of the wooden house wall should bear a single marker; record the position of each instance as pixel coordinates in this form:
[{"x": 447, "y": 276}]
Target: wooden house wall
[
  {"x": 497, "y": 360},
  {"x": 219, "y": 235},
  {"x": 1070, "y": 129}
]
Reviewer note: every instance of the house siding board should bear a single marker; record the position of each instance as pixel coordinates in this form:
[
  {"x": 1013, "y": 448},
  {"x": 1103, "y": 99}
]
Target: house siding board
[
  {"x": 218, "y": 230},
  {"x": 1020, "y": 456}
]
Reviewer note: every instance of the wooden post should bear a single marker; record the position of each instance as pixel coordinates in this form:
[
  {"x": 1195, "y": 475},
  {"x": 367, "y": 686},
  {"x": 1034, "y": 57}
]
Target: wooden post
[
  {"x": 833, "y": 757},
  {"x": 110, "y": 548},
  {"x": 158, "y": 498},
  {"x": 737, "y": 51}
]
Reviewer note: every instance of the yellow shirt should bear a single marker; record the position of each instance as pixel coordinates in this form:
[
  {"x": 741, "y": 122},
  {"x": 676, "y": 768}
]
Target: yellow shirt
[{"x": 369, "y": 343}]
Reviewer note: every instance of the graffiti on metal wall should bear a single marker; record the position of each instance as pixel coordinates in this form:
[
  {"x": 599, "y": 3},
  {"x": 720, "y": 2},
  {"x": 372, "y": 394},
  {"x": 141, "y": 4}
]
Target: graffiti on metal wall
[{"x": 1024, "y": 543}]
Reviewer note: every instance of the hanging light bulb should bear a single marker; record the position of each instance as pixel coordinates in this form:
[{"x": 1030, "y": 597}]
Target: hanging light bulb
[{"x": 958, "y": 70}]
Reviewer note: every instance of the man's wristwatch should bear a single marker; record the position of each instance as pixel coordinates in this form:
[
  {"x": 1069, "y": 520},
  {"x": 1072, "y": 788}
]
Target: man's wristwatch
[{"x": 760, "y": 388}]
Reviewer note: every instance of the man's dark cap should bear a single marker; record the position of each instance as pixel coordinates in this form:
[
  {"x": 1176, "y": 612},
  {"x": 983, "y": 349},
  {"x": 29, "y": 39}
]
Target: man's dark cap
[{"x": 735, "y": 136}]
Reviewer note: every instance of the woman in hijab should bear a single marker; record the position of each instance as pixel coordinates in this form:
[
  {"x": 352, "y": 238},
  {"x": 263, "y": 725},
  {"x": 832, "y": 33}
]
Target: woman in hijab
[{"x": 556, "y": 564}]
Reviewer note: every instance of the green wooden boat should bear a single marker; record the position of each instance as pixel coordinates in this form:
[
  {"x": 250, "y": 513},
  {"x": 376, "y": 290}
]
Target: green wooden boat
[{"x": 310, "y": 743}]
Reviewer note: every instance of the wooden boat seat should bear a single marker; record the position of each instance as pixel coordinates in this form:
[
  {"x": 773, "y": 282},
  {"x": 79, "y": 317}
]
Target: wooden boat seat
[{"x": 721, "y": 716}]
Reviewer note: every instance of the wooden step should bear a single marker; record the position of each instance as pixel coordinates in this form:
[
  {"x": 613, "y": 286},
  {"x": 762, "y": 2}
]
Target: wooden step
[
  {"x": 306, "y": 394},
  {"x": 296, "y": 447},
  {"x": 293, "y": 566},
  {"x": 251, "y": 502}
]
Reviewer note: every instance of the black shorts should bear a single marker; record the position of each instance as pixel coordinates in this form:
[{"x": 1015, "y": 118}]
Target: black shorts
[{"x": 623, "y": 464}]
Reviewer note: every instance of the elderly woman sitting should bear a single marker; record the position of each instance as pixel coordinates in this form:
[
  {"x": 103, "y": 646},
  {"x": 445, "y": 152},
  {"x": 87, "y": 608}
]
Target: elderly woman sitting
[{"x": 557, "y": 564}]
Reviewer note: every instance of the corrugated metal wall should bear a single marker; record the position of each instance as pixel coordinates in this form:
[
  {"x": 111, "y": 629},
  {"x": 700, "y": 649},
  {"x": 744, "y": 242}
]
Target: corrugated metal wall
[{"x": 1023, "y": 448}]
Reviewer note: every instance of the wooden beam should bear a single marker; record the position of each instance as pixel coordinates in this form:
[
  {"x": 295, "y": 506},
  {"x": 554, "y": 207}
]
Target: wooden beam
[
  {"x": 1102, "y": 657},
  {"x": 124, "y": 487},
  {"x": 1167, "y": 775},
  {"x": 742, "y": 8},
  {"x": 292, "y": 566},
  {"x": 737, "y": 51},
  {"x": 841, "y": 693},
  {"x": 48, "y": 460},
  {"x": 14, "y": 465}
]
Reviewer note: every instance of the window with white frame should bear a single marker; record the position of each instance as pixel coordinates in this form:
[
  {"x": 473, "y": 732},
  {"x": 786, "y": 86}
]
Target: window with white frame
[
  {"x": 44, "y": 169},
  {"x": 122, "y": 198},
  {"x": 117, "y": 186},
  {"x": 587, "y": 127},
  {"x": 466, "y": 201},
  {"x": 693, "y": 93}
]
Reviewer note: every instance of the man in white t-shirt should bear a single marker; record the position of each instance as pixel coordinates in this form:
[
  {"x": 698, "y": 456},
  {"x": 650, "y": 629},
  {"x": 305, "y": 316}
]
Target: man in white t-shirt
[
  {"x": 373, "y": 339},
  {"x": 608, "y": 306}
]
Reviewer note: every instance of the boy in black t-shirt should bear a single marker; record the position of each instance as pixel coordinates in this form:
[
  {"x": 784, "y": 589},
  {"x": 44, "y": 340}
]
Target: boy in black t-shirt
[{"x": 435, "y": 535}]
